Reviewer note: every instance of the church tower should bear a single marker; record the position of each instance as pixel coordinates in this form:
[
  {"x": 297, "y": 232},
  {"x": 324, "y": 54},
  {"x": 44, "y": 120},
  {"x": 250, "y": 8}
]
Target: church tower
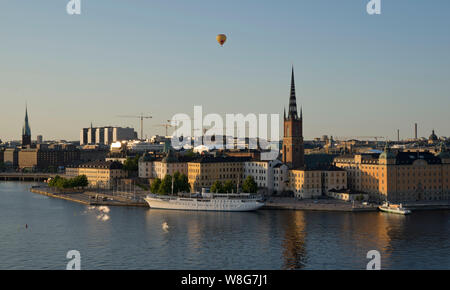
[
  {"x": 293, "y": 150},
  {"x": 26, "y": 131}
]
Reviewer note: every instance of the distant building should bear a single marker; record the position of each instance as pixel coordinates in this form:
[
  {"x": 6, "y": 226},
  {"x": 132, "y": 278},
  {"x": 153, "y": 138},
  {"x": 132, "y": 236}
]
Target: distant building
[
  {"x": 313, "y": 183},
  {"x": 305, "y": 183},
  {"x": 11, "y": 157},
  {"x": 44, "y": 157},
  {"x": 141, "y": 146},
  {"x": 263, "y": 172},
  {"x": 39, "y": 139},
  {"x": 88, "y": 155},
  {"x": 151, "y": 167},
  {"x": 105, "y": 135},
  {"x": 399, "y": 176},
  {"x": 280, "y": 178},
  {"x": 99, "y": 173},
  {"x": 203, "y": 172},
  {"x": 146, "y": 169},
  {"x": 433, "y": 139}
]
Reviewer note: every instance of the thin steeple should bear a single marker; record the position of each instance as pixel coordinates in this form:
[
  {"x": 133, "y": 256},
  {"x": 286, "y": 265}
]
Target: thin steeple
[
  {"x": 26, "y": 131},
  {"x": 292, "y": 99}
]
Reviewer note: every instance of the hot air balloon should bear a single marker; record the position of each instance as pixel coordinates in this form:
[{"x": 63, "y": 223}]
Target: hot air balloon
[{"x": 221, "y": 38}]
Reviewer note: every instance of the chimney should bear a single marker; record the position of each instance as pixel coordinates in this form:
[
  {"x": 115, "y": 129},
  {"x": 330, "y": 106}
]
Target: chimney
[{"x": 415, "y": 131}]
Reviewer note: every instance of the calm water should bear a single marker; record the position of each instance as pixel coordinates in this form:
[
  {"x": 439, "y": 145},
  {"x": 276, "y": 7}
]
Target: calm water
[{"x": 133, "y": 238}]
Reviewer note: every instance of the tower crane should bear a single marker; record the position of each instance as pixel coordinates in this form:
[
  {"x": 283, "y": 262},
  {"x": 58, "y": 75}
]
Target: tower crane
[
  {"x": 141, "y": 117},
  {"x": 167, "y": 126}
]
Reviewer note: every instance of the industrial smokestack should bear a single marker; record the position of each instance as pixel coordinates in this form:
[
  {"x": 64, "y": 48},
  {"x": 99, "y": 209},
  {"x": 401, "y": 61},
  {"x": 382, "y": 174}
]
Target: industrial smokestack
[
  {"x": 415, "y": 131},
  {"x": 398, "y": 135}
]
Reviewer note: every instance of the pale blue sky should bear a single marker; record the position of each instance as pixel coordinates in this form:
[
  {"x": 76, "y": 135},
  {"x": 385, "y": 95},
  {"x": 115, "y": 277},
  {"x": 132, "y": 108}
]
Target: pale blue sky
[{"x": 355, "y": 74}]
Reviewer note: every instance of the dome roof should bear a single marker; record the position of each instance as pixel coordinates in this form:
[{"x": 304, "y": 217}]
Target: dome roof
[{"x": 433, "y": 136}]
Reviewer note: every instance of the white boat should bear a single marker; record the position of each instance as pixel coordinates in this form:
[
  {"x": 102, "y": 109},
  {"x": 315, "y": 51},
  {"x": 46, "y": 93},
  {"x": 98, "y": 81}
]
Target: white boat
[
  {"x": 206, "y": 202},
  {"x": 394, "y": 208}
]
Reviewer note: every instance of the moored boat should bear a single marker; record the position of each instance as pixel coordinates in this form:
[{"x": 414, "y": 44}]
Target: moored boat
[
  {"x": 206, "y": 202},
  {"x": 394, "y": 208}
]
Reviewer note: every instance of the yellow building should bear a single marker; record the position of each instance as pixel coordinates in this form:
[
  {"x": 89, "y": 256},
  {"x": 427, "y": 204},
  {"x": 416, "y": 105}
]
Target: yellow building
[
  {"x": 202, "y": 173},
  {"x": 151, "y": 168},
  {"x": 169, "y": 165},
  {"x": 305, "y": 183},
  {"x": 315, "y": 183},
  {"x": 100, "y": 173},
  {"x": 399, "y": 177}
]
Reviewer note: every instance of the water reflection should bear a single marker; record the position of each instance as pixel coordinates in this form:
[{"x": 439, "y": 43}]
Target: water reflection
[
  {"x": 294, "y": 253},
  {"x": 134, "y": 238}
]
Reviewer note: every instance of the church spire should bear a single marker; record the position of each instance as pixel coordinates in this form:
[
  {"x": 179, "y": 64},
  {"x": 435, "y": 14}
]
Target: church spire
[
  {"x": 26, "y": 131},
  {"x": 292, "y": 99}
]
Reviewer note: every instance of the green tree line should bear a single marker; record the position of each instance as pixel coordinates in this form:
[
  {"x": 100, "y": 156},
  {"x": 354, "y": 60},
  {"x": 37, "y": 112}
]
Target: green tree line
[
  {"x": 63, "y": 183},
  {"x": 164, "y": 186},
  {"x": 249, "y": 186}
]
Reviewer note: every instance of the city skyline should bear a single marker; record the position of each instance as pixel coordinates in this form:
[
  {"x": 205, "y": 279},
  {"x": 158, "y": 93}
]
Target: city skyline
[{"x": 356, "y": 74}]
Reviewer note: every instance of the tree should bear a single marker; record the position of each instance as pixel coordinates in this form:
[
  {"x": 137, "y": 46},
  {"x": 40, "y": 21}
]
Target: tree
[
  {"x": 228, "y": 186},
  {"x": 154, "y": 187},
  {"x": 184, "y": 183},
  {"x": 132, "y": 164},
  {"x": 181, "y": 183},
  {"x": 81, "y": 181},
  {"x": 250, "y": 185},
  {"x": 216, "y": 187},
  {"x": 166, "y": 185},
  {"x": 176, "y": 182},
  {"x": 78, "y": 181}
]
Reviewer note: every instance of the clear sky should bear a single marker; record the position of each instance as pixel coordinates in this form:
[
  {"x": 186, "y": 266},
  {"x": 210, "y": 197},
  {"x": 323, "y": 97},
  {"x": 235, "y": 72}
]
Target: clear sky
[{"x": 356, "y": 74}]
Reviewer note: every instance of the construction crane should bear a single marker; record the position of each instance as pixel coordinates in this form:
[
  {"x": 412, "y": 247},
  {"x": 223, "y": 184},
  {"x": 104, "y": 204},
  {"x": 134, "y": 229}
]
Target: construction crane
[
  {"x": 141, "y": 117},
  {"x": 167, "y": 126}
]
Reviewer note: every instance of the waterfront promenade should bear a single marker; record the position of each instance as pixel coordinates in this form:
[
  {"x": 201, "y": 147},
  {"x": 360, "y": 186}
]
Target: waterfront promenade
[
  {"x": 94, "y": 197},
  {"x": 289, "y": 203},
  {"x": 89, "y": 197}
]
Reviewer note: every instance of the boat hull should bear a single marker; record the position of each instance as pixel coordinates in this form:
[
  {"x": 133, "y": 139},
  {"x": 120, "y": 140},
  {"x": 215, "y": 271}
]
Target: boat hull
[
  {"x": 389, "y": 210},
  {"x": 201, "y": 204}
]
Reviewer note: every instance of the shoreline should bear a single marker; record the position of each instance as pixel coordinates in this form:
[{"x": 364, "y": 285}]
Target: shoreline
[
  {"x": 92, "y": 198},
  {"x": 86, "y": 198},
  {"x": 329, "y": 205}
]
